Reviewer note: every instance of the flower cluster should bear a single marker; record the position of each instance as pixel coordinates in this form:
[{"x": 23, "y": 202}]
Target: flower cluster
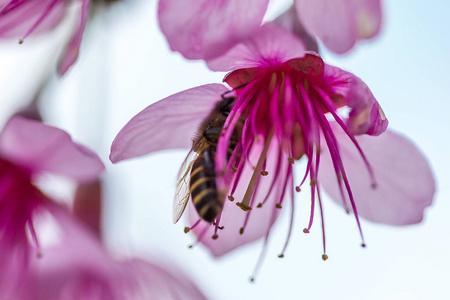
[{"x": 280, "y": 104}]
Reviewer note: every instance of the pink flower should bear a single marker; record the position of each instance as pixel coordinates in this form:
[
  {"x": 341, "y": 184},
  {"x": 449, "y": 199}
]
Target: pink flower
[
  {"x": 28, "y": 149},
  {"x": 21, "y": 18},
  {"x": 287, "y": 104},
  {"x": 78, "y": 267},
  {"x": 207, "y": 29}
]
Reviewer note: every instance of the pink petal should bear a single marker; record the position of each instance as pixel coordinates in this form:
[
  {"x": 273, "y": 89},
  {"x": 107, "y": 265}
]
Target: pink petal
[
  {"x": 339, "y": 24},
  {"x": 233, "y": 218},
  {"x": 272, "y": 45},
  {"x": 167, "y": 124},
  {"x": 70, "y": 53},
  {"x": 366, "y": 115},
  {"x": 161, "y": 282},
  {"x": 289, "y": 20},
  {"x": 18, "y": 20},
  {"x": 42, "y": 148},
  {"x": 76, "y": 267},
  {"x": 405, "y": 182},
  {"x": 200, "y": 29}
]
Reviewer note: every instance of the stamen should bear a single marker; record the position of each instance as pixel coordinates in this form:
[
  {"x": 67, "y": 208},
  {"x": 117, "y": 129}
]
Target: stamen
[
  {"x": 332, "y": 108},
  {"x": 291, "y": 222},
  {"x": 332, "y": 144},
  {"x": 251, "y": 187},
  {"x": 319, "y": 198}
]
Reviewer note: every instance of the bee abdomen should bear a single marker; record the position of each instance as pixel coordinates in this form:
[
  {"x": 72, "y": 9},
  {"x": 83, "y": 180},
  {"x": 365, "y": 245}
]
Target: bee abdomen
[{"x": 203, "y": 186}]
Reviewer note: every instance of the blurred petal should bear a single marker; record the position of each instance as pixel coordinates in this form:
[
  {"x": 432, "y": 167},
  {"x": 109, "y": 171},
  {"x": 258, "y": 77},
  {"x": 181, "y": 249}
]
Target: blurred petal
[
  {"x": 70, "y": 53},
  {"x": 154, "y": 282},
  {"x": 340, "y": 23},
  {"x": 260, "y": 220},
  {"x": 289, "y": 20},
  {"x": 272, "y": 45},
  {"x": 405, "y": 182},
  {"x": 366, "y": 115},
  {"x": 167, "y": 124},
  {"x": 77, "y": 267},
  {"x": 42, "y": 148},
  {"x": 21, "y": 18},
  {"x": 200, "y": 29}
]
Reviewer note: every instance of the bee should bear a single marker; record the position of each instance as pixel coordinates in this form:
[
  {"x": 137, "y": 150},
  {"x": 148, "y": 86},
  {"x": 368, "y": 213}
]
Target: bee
[{"x": 197, "y": 176}]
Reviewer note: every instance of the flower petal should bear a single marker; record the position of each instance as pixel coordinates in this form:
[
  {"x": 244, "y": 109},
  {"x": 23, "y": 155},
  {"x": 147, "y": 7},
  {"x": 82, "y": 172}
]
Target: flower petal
[
  {"x": 167, "y": 124},
  {"x": 289, "y": 20},
  {"x": 42, "y": 148},
  {"x": 260, "y": 220},
  {"x": 366, "y": 115},
  {"x": 76, "y": 267},
  {"x": 161, "y": 283},
  {"x": 21, "y": 18},
  {"x": 340, "y": 23},
  {"x": 70, "y": 53},
  {"x": 405, "y": 182},
  {"x": 271, "y": 45},
  {"x": 200, "y": 29}
]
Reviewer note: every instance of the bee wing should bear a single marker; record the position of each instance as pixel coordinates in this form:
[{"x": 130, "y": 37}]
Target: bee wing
[{"x": 182, "y": 192}]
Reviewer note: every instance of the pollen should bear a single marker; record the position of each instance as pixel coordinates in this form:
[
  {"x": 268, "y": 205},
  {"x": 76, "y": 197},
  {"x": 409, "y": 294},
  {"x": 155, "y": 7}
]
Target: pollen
[{"x": 243, "y": 206}]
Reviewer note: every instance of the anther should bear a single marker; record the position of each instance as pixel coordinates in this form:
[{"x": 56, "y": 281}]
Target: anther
[
  {"x": 374, "y": 185},
  {"x": 324, "y": 257},
  {"x": 231, "y": 198},
  {"x": 20, "y": 42},
  {"x": 252, "y": 279},
  {"x": 264, "y": 173},
  {"x": 39, "y": 254},
  {"x": 241, "y": 230},
  {"x": 234, "y": 169},
  {"x": 281, "y": 255},
  {"x": 298, "y": 189},
  {"x": 221, "y": 227},
  {"x": 243, "y": 206},
  {"x": 291, "y": 160},
  {"x": 278, "y": 205},
  {"x": 215, "y": 237},
  {"x": 186, "y": 229},
  {"x": 363, "y": 245},
  {"x": 313, "y": 182},
  {"x": 306, "y": 230},
  {"x": 259, "y": 205},
  {"x": 190, "y": 246}
]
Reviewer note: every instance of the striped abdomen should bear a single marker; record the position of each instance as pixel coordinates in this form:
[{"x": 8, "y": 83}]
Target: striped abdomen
[{"x": 203, "y": 186}]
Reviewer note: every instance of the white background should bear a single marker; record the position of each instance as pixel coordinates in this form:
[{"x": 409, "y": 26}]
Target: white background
[{"x": 125, "y": 65}]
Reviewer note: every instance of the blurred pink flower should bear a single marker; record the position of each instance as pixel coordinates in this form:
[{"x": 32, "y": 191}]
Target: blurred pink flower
[
  {"x": 27, "y": 149},
  {"x": 21, "y": 18},
  {"x": 286, "y": 98},
  {"x": 202, "y": 29},
  {"x": 78, "y": 267}
]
